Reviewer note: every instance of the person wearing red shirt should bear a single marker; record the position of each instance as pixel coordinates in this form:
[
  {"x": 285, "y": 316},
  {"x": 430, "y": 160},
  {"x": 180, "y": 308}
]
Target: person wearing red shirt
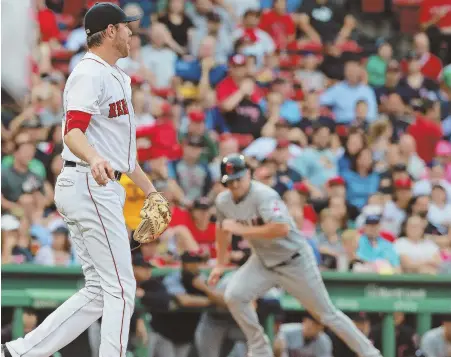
[
  {"x": 198, "y": 222},
  {"x": 279, "y": 24},
  {"x": 431, "y": 65},
  {"x": 47, "y": 23},
  {"x": 238, "y": 97},
  {"x": 435, "y": 19},
  {"x": 426, "y": 130}
]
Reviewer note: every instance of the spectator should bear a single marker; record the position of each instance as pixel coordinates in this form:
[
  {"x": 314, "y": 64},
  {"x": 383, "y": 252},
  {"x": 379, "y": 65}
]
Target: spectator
[
  {"x": 15, "y": 246},
  {"x": 288, "y": 108},
  {"x": 76, "y": 40},
  {"x": 415, "y": 84},
  {"x": 379, "y": 137},
  {"x": 311, "y": 113},
  {"x": 310, "y": 77},
  {"x": 329, "y": 240},
  {"x": 361, "y": 180},
  {"x": 238, "y": 98},
  {"x": 22, "y": 190},
  {"x": 415, "y": 166},
  {"x": 177, "y": 22},
  {"x": 48, "y": 27},
  {"x": 321, "y": 21},
  {"x": 281, "y": 156},
  {"x": 59, "y": 253},
  {"x": 317, "y": 163},
  {"x": 141, "y": 107},
  {"x": 437, "y": 342},
  {"x": 350, "y": 241},
  {"x": 306, "y": 338},
  {"x": 278, "y": 24},
  {"x": 196, "y": 127},
  {"x": 395, "y": 211},
  {"x": 391, "y": 81},
  {"x": 215, "y": 29},
  {"x": 417, "y": 255},
  {"x": 260, "y": 42},
  {"x": 431, "y": 65},
  {"x": 203, "y": 69},
  {"x": 264, "y": 146},
  {"x": 343, "y": 211},
  {"x": 426, "y": 130},
  {"x": 443, "y": 157},
  {"x": 343, "y": 96},
  {"x": 192, "y": 176},
  {"x": 399, "y": 115},
  {"x": 439, "y": 210},
  {"x": 377, "y": 65},
  {"x": 355, "y": 142},
  {"x": 267, "y": 174},
  {"x": 375, "y": 249},
  {"x": 158, "y": 58},
  {"x": 29, "y": 320},
  {"x": 436, "y": 177},
  {"x": 300, "y": 210},
  {"x": 198, "y": 221}
]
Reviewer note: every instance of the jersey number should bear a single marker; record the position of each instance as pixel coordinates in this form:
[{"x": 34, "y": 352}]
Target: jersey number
[{"x": 118, "y": 108}]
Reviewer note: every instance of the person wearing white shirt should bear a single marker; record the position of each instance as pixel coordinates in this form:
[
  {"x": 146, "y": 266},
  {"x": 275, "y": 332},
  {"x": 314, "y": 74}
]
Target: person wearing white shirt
[
  {"x": 159, "y": 59},
  {"x": 439, "y": 211},
  {"x": 417, "y": 255},
  {"x": 436, "y": 177},
  {"x": 415, "y": 165}
]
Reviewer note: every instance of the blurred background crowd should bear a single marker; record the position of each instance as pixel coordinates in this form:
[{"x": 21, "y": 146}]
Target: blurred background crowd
[{"x": 342, "y": 106}]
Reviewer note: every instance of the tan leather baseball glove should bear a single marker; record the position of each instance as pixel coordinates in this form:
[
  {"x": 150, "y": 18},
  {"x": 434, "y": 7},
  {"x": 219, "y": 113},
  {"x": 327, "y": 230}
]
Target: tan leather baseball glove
[{"x": 155, "y": 217}]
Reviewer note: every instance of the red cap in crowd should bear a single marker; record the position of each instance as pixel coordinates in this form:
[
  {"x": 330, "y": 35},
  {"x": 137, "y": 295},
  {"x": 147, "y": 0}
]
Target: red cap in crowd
[
  {"x": 336, "y": 181},
  {"x": 301, "y": 187},
  {"x": 196, "y": 116},
  {"x": 401, "y": 184}
]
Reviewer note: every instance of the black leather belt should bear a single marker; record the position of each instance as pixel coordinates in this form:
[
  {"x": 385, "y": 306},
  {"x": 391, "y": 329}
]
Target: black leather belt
[
  {"x": 286, "y": 262},
  {"x": 117, "y": 174}
]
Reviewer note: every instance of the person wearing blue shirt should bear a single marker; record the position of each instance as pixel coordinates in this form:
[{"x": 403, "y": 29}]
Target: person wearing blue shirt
[
  {"x": 361, "y": 180},
  {"x": 373, "y": 247},
  {"x": 343, "y": 96},
  {"x": 317, "y": 163},
  {"x": 191, "y": 70},
  {"x": 288, "y": 109}
]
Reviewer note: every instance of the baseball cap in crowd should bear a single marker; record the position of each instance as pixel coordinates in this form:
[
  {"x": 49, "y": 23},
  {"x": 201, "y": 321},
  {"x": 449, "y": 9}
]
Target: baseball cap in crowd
[
  {"x": 336, "y": 181},
  {"x": 196, "y": 116},
  {"x": 103, "y": 14},
  {"x": 202, "y": 203},
  {"x": 195, "y": 140},
  {"x": 237, "y": 60},
  {"x": 10, "y": 223},
  {"x": 373, "y": 219},
  {"x": 403, "y": 184}
]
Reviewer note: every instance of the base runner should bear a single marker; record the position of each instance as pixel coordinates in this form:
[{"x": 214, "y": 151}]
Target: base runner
[{"x": 281, "y": 256}]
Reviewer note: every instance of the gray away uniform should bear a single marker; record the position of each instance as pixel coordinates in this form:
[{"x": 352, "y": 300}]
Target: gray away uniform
[{"x": 287, "y": 262}]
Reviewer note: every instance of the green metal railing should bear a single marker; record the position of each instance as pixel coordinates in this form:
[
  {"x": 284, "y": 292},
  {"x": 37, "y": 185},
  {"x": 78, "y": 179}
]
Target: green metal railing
[{"x": 423, "y": 295}]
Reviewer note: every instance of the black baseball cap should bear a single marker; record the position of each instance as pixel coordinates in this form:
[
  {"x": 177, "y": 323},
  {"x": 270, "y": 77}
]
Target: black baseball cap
[{"x": 103, "y": 14}]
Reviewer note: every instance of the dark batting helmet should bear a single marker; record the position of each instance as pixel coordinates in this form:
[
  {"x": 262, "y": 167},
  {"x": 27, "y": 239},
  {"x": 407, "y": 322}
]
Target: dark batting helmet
[{"x": 232, "y": 167}]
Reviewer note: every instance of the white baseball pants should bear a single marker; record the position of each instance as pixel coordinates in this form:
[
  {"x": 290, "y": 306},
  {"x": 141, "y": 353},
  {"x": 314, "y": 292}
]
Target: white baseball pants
[{"x": 94, "y": 215}]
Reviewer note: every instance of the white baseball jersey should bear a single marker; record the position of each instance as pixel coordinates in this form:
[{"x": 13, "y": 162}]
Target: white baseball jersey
[{"x": 97, "y": 88}]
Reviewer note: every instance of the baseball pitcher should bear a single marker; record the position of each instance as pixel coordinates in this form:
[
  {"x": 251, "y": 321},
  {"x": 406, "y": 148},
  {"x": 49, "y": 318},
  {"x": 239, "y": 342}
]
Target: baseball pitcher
[
  {"x": 99, "y": 146},
  {"x": 281, "y": 256}
]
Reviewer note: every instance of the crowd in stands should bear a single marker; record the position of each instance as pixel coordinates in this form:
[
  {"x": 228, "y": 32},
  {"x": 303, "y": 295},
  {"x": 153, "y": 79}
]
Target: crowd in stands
[{"x": 352, "y": 132}]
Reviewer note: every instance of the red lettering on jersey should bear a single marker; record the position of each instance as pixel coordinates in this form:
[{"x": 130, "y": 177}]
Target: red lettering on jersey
[
  {"x": 119, "y": 108},
  {"x": 112, "y": 113},
  {"x": 124, "y": 106}
]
